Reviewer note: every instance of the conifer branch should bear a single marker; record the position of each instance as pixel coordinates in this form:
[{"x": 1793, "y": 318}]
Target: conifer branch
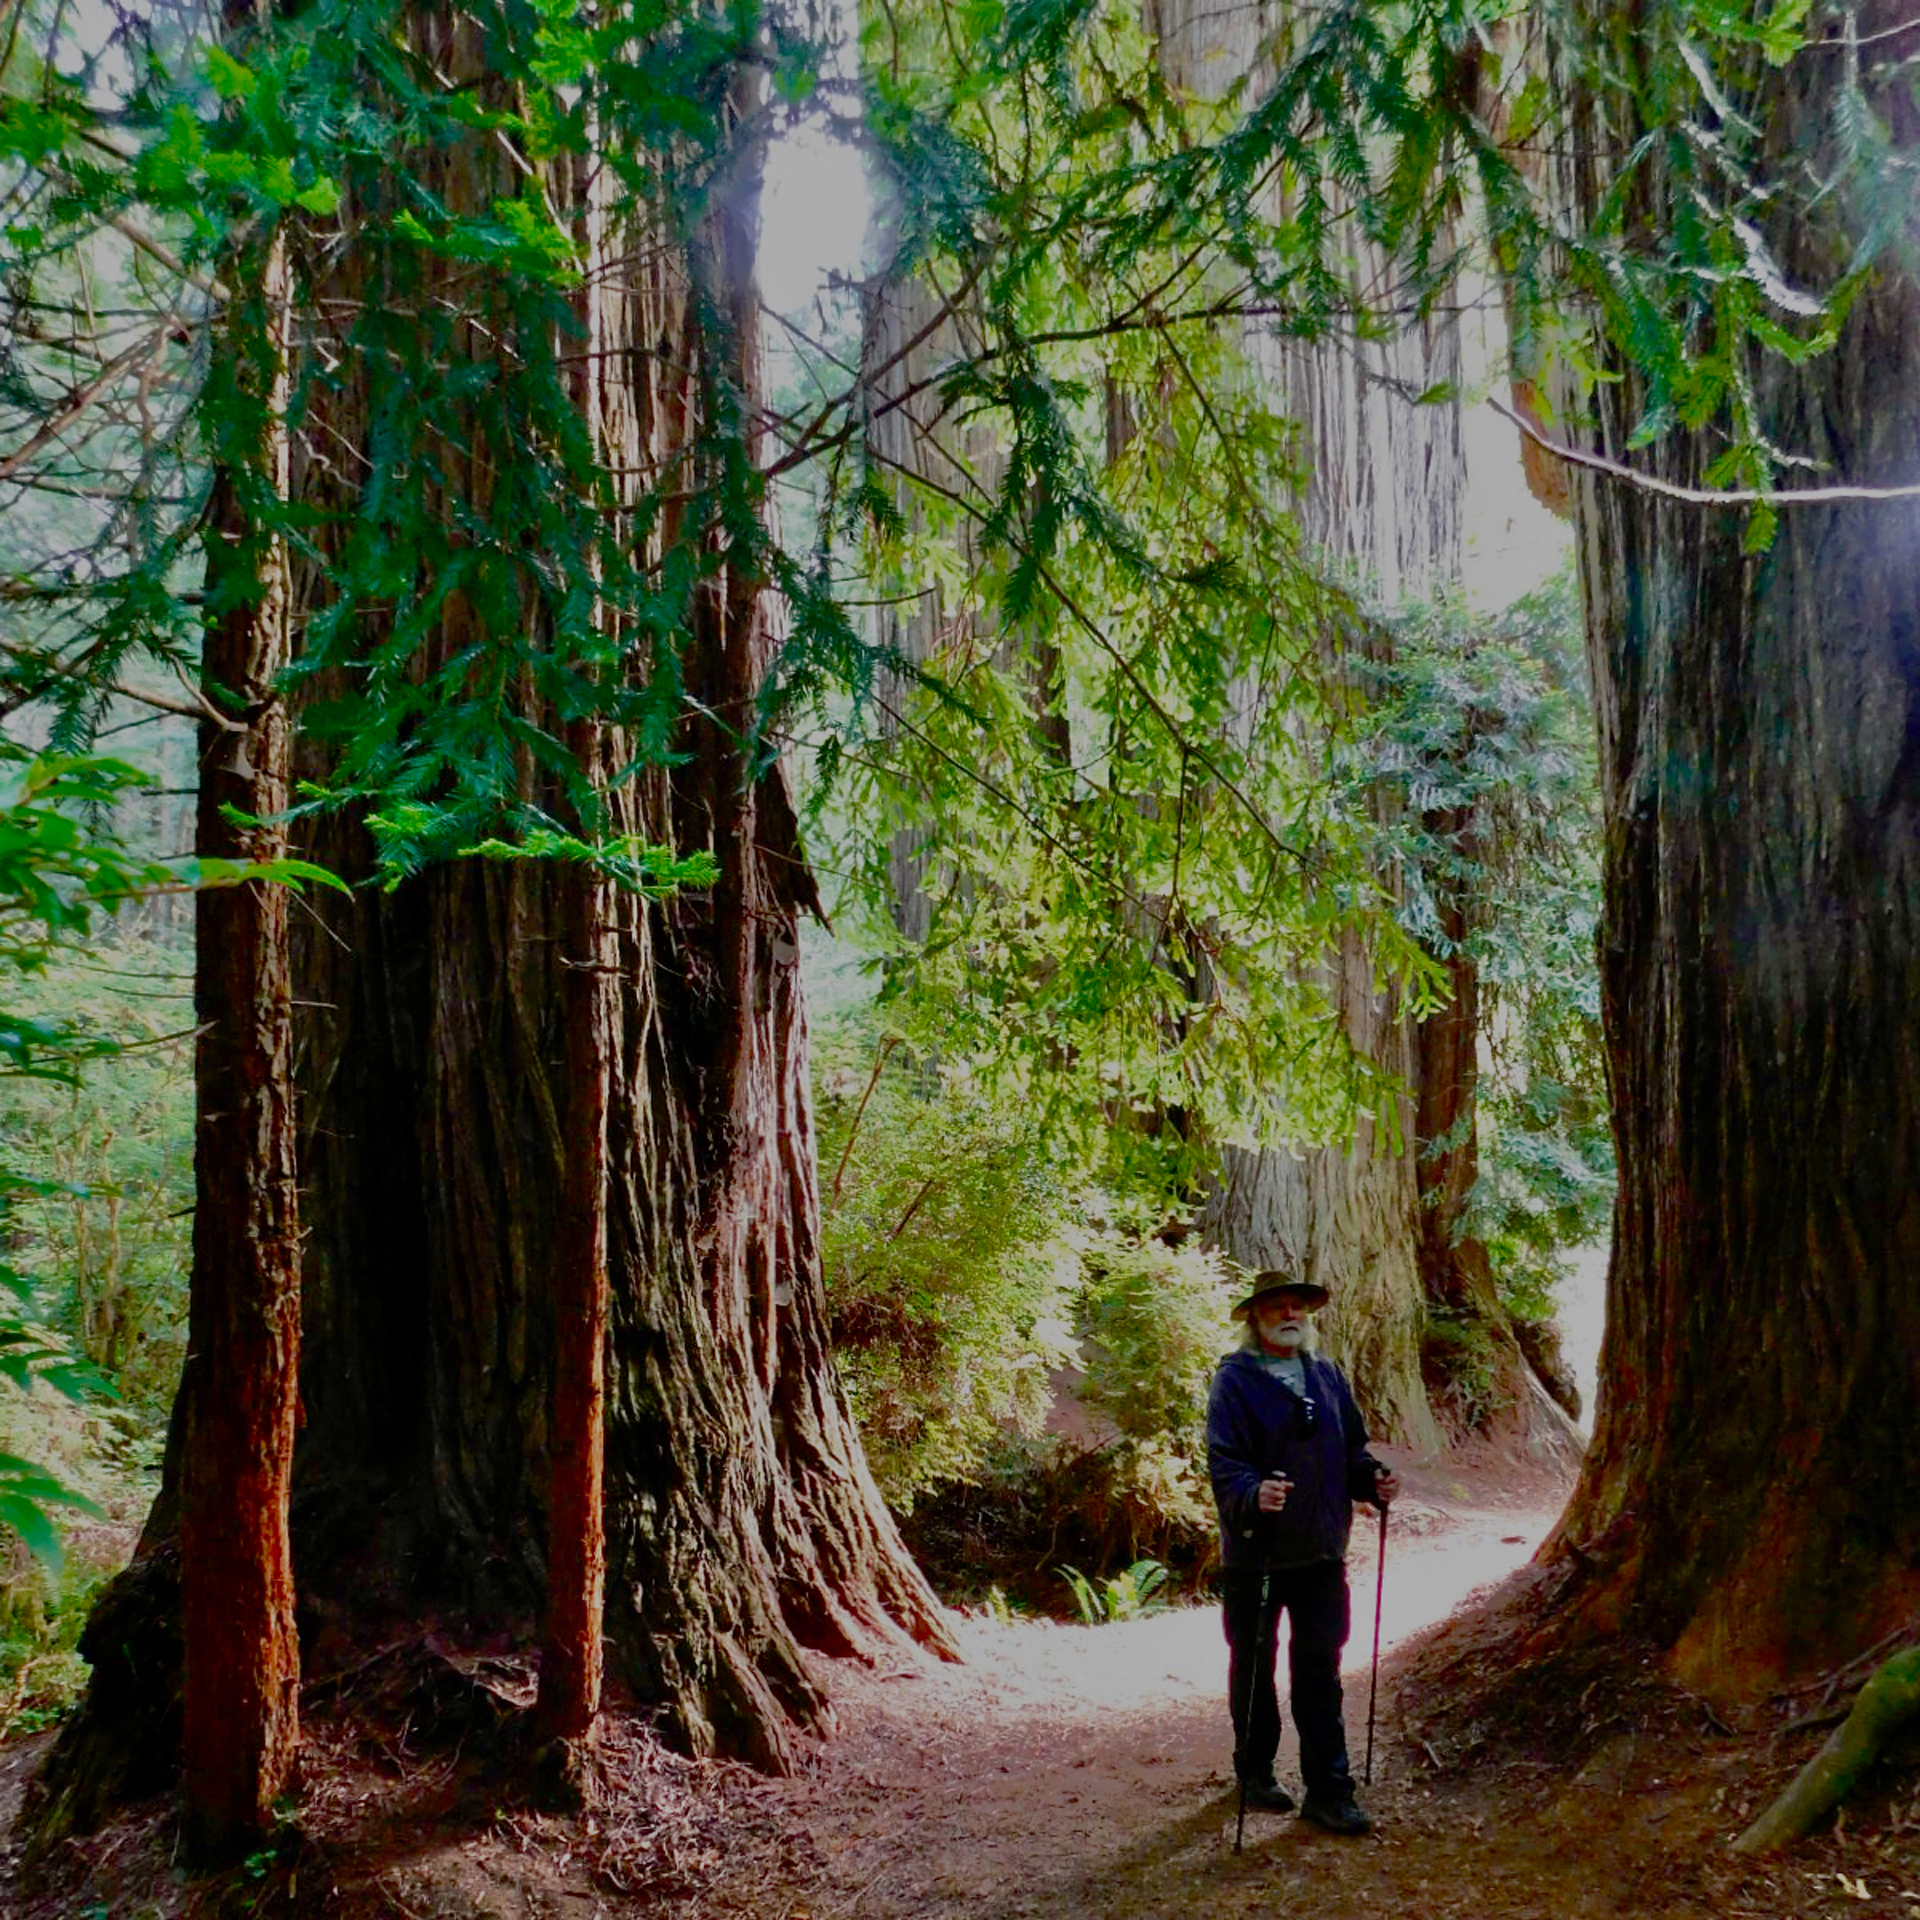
[{"x": 81, "y": 398}]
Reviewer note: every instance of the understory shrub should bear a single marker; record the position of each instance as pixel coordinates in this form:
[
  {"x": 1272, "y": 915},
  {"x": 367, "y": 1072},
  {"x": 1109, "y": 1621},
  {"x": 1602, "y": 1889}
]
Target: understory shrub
[
  {"x": 1152, "y": 1321},
  {"x": 1462, "y": 1370},
  {"x": 1482, "y": 736},
  {"x": 102, "y": 1214},
  {"x": 42, "y": 1611},
  {"x": 64, "y": 1029},
  {"x": 947, "y": 1272},
  {"x": 1131, "y": 1594},
  {"x": 1153, "y": 1324},
  {"x": 1039, "y": 1506},
  {"x": 1027, "y": 1358}
]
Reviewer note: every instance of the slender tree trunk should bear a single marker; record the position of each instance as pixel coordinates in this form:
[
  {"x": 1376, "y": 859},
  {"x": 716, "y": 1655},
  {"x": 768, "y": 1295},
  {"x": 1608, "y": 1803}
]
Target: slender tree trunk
[
  {"x": 570, "y": 1660},
  {"x": 1747, "y": 1494},
  {"x": 1448, "y": 1084},
  {"x": 241, "y": 1387}
]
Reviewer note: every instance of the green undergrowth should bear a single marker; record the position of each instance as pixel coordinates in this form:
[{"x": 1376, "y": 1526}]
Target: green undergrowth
[
  {"x": 1133, "y": 1593},
  {"x": 102, "y": 1220},
  {"x": 44, "y": 1603},
  {"x": 96, "y": 1226},
  {"x": 42, "y": 1676},
  {"x": 1028, "y": 1356}
]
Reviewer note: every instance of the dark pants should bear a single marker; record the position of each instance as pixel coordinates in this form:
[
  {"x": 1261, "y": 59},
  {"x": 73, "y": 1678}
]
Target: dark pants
[{"x": 1314, "y": 1600}]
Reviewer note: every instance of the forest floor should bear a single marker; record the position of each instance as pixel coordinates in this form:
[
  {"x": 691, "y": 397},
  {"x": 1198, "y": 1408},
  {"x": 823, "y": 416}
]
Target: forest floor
[{"x": 1072, "y": 1773}]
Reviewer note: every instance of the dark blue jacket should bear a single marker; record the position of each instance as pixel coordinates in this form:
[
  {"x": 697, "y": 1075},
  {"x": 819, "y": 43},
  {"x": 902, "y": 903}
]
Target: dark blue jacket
[{"x": 1255, "y": 1428}]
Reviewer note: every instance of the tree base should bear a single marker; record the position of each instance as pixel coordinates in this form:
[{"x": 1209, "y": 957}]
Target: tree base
[
  {"x": 569, "y": 1776},
  {"x": 124, "y": 1742}
]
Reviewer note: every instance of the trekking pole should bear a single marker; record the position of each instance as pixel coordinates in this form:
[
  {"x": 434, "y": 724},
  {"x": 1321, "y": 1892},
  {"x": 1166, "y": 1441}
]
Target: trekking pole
[
  {"x": 1246, "y": 1705},
  {"x": 1379, "y": 1594}
]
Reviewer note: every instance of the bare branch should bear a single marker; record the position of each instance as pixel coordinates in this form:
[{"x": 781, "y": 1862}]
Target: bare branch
[
  {"x": 79, "y": 400},
  {"x": 1698, "y": 496}
]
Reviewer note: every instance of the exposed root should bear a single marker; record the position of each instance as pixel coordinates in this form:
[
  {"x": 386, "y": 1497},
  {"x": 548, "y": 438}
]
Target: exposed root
[{"x": 1890, "y": 1697}]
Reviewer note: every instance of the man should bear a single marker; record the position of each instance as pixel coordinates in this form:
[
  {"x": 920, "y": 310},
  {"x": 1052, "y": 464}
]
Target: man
[{"x": 1288, "y": 1456}]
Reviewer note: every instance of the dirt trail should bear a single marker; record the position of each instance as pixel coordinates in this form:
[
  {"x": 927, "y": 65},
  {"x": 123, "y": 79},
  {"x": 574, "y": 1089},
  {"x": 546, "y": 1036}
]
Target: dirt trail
[
  {"x": 1074, "y": 1773},
  {"x": 1068, "y": 1770}
]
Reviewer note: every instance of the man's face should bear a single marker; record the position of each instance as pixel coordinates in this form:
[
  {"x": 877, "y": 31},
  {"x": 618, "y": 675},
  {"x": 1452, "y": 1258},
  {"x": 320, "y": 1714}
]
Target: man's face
[{"x": 1282, "y": 1321}]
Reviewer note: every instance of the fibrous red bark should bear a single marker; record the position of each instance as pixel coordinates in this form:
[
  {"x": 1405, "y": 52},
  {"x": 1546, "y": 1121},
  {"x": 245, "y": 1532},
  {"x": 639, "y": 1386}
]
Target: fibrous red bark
[
  {"x": 241, "y": 1389},
  {"x": 1746, "y": 1496},
  {"x": 436, "y": 1052},
  {"x": 741, "y": 1521},
  {"x": 570, "y": 1655}
]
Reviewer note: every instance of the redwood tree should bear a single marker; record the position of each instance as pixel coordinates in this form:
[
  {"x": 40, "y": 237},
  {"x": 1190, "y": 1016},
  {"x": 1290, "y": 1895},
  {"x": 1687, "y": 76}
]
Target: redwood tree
[
  {"x": 741, "y": 1522},
  {"x": 1747, "y": 1495},
  {"x": 242, "y": 1658},
  {"x": 485, "y": 559}
]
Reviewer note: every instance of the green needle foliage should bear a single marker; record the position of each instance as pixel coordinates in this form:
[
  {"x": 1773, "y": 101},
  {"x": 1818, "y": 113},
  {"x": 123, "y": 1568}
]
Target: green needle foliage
[
  {"x": 1132, "y": 756},
  {"x": 1112, "y": 757},
  {"x": 1111, "y": 771},
  {"x": 1096, "y": 227},
  {"x": 476, "y": 497},
  {"x": 1106, "y": 239},
  {"x": 1398, "y": 120},
  {"x": 94, "y": 1151}
]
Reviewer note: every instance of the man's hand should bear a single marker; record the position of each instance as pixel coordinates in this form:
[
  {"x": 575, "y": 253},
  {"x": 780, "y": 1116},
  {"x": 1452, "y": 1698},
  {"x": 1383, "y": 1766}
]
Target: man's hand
[
  {"x": 1273, "y": 1493},
  {"x": 1386, "y": 1487}
]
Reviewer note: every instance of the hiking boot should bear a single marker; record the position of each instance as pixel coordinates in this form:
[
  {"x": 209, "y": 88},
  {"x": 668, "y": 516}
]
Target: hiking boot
[
  {"x": 1269, "y": 1796},
  {"x": 1337, "y": 1813}
]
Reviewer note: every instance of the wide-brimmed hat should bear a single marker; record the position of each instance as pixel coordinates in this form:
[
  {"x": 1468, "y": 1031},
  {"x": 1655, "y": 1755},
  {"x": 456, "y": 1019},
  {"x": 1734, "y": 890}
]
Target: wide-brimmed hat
[{"x": 1279, "y": 1280}]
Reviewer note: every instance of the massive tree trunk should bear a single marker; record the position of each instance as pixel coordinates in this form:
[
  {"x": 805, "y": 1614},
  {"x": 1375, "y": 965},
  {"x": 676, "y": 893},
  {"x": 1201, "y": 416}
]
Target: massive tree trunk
[
  {"x": 742, "y": 1522},
  {"x": 1746, "y": 1496},
  {"x": 743, "y": 1527},
  {"x": 242, "y": 1658}
]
